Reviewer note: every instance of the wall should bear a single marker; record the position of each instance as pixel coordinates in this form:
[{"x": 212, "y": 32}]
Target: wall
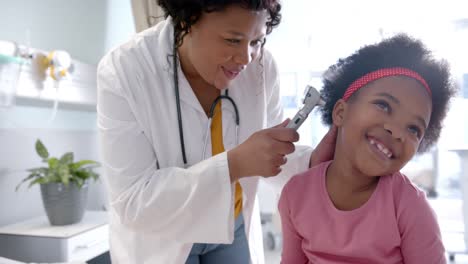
[
  {"x": 120, "y": 25},
  {"x": 86, "y": 29}
]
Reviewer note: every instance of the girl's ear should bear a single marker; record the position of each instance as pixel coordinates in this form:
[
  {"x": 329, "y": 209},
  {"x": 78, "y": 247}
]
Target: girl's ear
[{"x": 339, "y": 112}]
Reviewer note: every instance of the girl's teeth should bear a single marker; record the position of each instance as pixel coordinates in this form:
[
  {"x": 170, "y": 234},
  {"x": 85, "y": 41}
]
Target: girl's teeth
[{"x": 382, "y": 148}]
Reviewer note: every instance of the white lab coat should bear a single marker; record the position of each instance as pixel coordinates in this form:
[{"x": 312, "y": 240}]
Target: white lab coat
[{"x": 157, "y": 214}]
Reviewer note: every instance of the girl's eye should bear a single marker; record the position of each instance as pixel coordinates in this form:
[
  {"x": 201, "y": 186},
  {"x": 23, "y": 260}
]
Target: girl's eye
[
  {"x": 414, "y": 130},
  {"x": 383, "y": 105}
]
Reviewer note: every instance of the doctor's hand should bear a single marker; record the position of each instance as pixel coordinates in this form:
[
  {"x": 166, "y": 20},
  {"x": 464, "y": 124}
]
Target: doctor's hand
[
  {"x": 262, "y": 153},
  {"x": 325, "y": 150}
]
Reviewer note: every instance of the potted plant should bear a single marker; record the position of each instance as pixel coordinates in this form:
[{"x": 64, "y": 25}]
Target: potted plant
[{"x": 64, "y": 185}]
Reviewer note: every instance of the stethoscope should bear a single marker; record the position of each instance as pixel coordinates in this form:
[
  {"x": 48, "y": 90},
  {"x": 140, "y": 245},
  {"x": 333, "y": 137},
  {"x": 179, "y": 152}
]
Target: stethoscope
[{"x": 210, "y": 113}]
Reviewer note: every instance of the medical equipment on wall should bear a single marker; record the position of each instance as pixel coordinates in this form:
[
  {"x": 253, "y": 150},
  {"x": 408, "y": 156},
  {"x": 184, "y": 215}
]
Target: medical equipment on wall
[
  {"x": 210, "y": 114},
  {"x": 57, "y": 66},
  {"x": 311, "y": 99},
  {"x": 10, "y": 68},
  {"x": 45, "y": 69}
]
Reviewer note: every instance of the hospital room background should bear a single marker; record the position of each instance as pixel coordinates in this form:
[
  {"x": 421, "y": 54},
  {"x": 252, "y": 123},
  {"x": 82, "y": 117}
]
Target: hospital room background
[{"x": 59, "y": 107}]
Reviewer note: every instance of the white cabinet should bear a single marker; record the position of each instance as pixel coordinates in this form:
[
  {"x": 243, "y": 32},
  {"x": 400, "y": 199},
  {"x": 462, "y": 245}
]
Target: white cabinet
[{"x": 35, "y": 240}]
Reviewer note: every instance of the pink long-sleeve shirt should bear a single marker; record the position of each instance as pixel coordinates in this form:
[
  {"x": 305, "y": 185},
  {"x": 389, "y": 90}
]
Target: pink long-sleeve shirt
[{"x": 396, "y": 224}]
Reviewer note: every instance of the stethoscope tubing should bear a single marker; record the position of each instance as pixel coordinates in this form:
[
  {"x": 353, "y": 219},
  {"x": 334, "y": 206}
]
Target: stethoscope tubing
[
  {"x": 210, "y": 114},
  {"x": 210, "y": 119}
]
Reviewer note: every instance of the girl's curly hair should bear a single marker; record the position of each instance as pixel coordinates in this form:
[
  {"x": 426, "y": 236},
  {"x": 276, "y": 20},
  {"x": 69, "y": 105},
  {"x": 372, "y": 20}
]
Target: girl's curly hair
[
  {"x": 398, "y": 51},
  {"x": 186, "y": 13}
]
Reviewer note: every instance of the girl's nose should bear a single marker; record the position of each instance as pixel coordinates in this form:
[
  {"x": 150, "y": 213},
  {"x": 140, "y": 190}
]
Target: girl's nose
[{"x": 394, "y": 130}]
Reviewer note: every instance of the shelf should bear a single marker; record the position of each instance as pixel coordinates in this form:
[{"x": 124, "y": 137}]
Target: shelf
[{"x": 76, "y": 93}]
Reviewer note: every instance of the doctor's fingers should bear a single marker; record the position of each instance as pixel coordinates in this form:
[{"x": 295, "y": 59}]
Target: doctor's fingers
[
  {"x": 271, "y": 169},
  {"x": 273, "y": 172},
  {"x": 281, "y": 147},
  {"x": 283, "y": 134},
  {"x": 278, "y": 160}
]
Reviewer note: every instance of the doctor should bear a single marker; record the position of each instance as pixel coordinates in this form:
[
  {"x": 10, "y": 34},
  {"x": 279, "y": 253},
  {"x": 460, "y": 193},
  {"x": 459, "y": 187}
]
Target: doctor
[{"x": 189, "y": 112}]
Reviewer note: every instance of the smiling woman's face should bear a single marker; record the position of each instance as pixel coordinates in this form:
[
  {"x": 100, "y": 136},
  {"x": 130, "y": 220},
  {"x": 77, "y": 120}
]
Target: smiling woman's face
[
  {"x": 380, "y": 129},
  {"x": 222, "y": 43}
]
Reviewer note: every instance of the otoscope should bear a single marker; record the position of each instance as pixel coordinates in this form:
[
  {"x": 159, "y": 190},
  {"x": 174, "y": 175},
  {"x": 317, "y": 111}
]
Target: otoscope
[{"x": 311, "y": 99}]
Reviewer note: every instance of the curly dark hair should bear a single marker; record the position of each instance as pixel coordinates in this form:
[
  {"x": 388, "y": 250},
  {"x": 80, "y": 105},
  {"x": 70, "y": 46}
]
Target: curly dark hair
[
  {"x": 398, "y": 51},
  {"x": 186, "y": 13}
]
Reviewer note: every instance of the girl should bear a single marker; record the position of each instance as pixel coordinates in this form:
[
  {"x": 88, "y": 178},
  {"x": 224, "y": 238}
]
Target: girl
[{"x": 388, "y": 101}]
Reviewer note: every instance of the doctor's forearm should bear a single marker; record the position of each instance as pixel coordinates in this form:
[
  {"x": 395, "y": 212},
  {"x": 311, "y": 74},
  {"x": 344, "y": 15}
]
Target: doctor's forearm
[{"x": 233, "y": 164}]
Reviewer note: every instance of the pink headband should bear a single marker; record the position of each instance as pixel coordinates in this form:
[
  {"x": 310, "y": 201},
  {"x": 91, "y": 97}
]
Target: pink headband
[{"x": 381, "y": 73}]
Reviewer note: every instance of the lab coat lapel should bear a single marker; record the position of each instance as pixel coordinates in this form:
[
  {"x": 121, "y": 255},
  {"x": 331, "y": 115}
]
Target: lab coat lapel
[{"x": 186, "y": 93}]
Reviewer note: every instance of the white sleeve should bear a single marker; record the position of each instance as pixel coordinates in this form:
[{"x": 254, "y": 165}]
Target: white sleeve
[
  {"x": 272, "y": 87},
  {"x": 189, "y": 205},
  {"x": 298, "y": 161}
]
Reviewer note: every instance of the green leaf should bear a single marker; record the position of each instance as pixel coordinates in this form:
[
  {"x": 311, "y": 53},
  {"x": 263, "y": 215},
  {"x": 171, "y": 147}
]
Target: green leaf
[
  {"x": 65, "y": 179},
  {"x": 81, "y": 174},
  {"x": 79, "y": 182},
  {"x": 53, "y": 163},
  {"x": 94, "y": 175},
  {"x": 41, "y": 171},
  {"x": 52, "y": 176},
  {"x": 38, "y": 180},
  {"x": 82, "y": 163},
  {"x": 41, "y": 149},
  {"x": 64, "y": 174},
  {"x": 67, "y": 158},
  {"x": 62, "y": 170},
  {"x": 32, "y": 175}
]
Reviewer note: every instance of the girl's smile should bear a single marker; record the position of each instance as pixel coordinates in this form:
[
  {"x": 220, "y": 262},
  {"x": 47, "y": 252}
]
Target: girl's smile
[{"x": 380, "y": 148}]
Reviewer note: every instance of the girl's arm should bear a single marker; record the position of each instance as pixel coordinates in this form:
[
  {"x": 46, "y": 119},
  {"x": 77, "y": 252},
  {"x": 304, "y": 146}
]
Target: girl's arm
[
  {"x": 292, "y": 241},
  {"x": 421, "y": 241}
]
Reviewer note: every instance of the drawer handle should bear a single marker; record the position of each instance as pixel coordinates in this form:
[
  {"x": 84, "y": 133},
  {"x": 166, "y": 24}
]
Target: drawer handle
[{"x": 89, "y": 245}]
